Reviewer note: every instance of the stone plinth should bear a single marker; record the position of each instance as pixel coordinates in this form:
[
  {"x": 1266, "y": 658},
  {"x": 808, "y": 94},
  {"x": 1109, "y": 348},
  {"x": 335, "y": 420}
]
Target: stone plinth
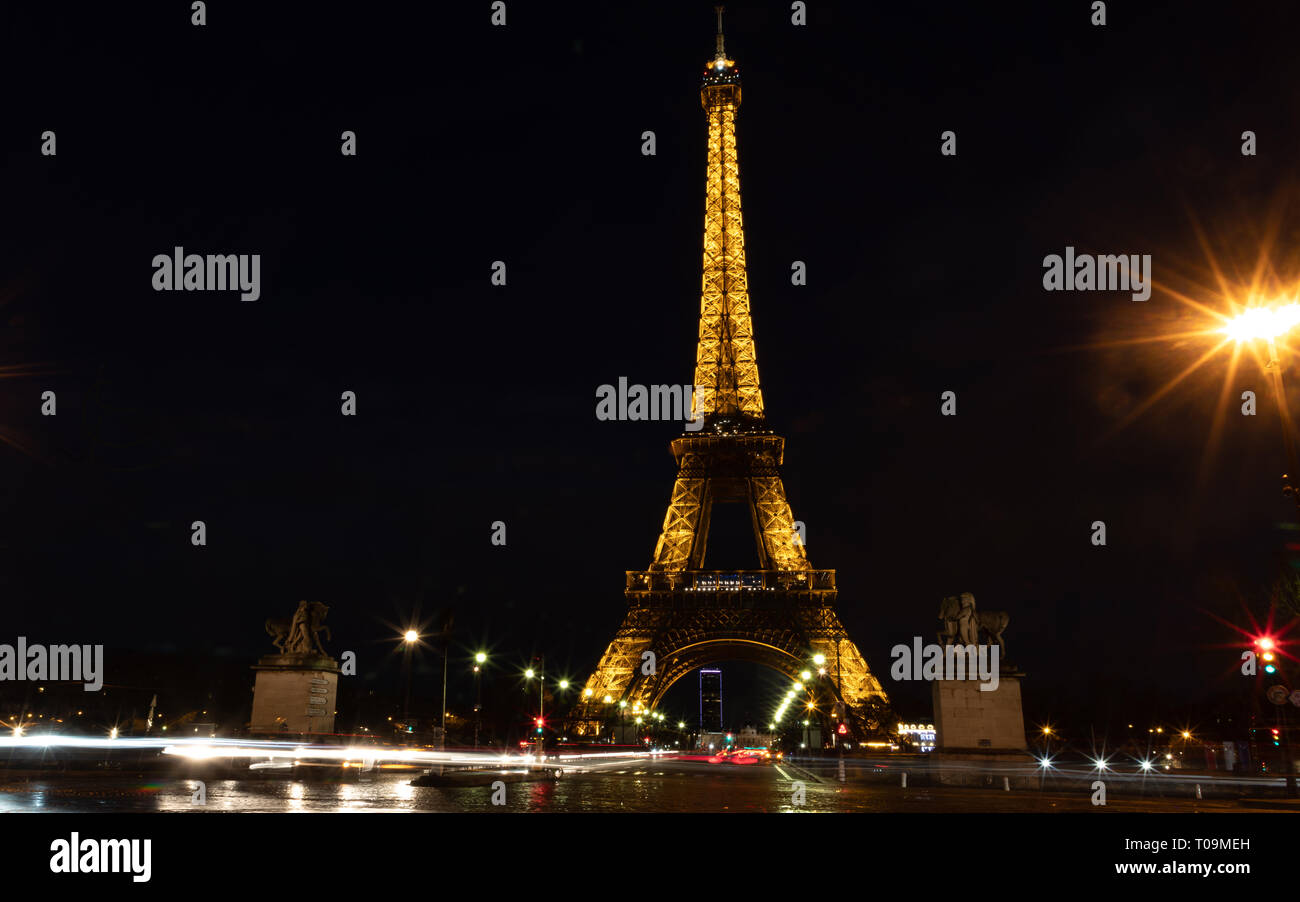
[
  {"x": 980, "y": 736},
  {"x": 294, "y": 694},
  {"x": 966, "y": 717}
]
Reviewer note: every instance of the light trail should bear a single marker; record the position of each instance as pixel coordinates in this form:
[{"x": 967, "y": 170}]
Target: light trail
[{"x": 278, "y": 753}]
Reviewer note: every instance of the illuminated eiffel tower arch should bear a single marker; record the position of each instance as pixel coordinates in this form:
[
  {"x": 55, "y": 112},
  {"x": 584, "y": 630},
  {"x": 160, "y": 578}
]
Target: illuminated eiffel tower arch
[{"x": 783, "y": 615}]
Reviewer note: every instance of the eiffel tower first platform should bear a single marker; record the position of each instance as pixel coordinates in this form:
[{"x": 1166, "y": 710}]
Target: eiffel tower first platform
[{"x": 782, "y": 616}]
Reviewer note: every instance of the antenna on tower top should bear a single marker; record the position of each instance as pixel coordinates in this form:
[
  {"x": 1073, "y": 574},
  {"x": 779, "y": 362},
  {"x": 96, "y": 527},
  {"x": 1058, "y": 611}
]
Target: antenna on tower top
[{"x": 721, "y": 53}]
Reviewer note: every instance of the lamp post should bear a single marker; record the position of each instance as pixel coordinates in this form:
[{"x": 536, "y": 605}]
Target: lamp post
[
  {"x": 1270, "y": 324},
  {"x": 409, "y": 638},
  {"x": 443, "y": 735},
  {"x": 541, "y": 702},
  {"x": 479, "y": 660}
]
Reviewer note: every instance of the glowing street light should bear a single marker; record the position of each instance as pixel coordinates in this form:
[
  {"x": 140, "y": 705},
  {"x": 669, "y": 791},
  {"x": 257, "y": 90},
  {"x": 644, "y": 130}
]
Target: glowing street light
[
  {"x": 480, "y": 658},
  {"x": 409, "y": 639},
  {"x": 541, "y": 705},
  {"x": 819, "y": 659},
  {"x": 1269, "y": 323}
]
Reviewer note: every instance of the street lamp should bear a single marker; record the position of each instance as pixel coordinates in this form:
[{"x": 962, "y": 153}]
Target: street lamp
[
  {"x": 541, "y": 702},
  {"x": 479, "y": 660},
  {"x": 1270, "y": 324},
  {"x": 409, "y": 638}
]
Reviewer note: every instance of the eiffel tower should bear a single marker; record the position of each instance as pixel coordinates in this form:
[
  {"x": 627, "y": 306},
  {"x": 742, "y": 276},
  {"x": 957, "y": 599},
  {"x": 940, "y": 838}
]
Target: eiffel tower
[{"x": 679, "y": 615}]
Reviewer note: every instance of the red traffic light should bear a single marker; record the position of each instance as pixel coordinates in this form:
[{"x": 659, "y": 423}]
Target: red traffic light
[{"x": 1265, "y": 643}]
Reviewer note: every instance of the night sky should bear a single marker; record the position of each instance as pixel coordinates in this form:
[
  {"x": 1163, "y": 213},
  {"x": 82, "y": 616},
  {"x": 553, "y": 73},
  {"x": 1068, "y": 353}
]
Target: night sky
[{"x": 476, "y": 403}]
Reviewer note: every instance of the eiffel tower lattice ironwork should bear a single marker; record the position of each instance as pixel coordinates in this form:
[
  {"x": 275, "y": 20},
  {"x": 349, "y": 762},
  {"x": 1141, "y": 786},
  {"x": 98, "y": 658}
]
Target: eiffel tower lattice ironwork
[{"x": 783, "y": 615}]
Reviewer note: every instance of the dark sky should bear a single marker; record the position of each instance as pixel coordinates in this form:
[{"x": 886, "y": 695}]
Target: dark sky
[{"x": 476, "y": 403}]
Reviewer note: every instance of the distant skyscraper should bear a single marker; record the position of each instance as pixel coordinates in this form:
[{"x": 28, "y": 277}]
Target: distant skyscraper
[{"x": 710, "y": 701}]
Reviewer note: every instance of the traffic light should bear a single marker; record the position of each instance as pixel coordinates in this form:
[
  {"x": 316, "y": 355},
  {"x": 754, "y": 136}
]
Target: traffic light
[
  {"x": 1277, "y": 736},
  {"x": 1264, "y": 646},
  {"x": 540, "y": 724}
]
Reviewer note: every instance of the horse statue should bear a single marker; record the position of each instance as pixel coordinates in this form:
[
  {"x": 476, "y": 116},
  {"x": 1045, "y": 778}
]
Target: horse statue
[
  {"x": 299, "y": 635},
  {"x": 960, "y": 623},
  {"x": 992, "y": 623},
  {"x": 278, "y": 629}
]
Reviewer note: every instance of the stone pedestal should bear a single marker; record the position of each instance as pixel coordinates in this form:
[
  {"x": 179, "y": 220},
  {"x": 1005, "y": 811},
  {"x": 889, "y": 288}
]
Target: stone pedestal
[
  {"x": 980, "y": 736},
  {"x": 294, "y": 694}
]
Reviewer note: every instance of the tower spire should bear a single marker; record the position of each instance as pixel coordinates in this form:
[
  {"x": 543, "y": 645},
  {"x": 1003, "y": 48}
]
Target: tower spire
[
  {"x": 726, "y": 371},
  {"x": 722, "y": 54}
]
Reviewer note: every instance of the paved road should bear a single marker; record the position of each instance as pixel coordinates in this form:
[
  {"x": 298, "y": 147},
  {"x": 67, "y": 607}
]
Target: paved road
[{"x": 663, "y": 785}]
